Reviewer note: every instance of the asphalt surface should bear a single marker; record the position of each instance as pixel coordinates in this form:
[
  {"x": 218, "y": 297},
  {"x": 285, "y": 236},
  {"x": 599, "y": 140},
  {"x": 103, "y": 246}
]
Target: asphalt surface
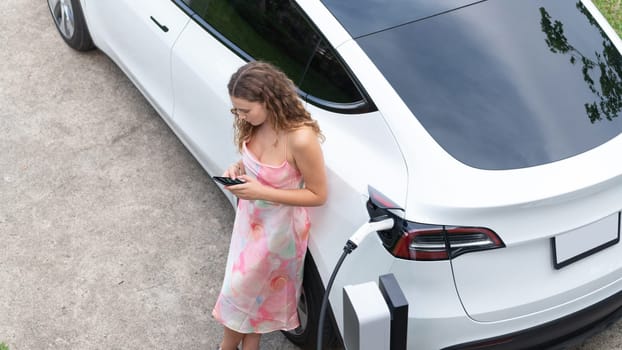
[{"x": 111, "y": 234}]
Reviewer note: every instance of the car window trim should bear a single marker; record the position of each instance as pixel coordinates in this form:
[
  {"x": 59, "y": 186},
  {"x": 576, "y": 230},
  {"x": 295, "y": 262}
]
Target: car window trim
[{"x": 362, "y": 106}]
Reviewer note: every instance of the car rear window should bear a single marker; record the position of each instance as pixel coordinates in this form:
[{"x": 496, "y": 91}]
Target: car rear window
[{"x": 507, "y": 84}]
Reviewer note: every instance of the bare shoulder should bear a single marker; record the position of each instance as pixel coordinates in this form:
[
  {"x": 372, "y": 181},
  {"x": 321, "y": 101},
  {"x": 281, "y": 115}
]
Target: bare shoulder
[{"x": 302, "y": 138}]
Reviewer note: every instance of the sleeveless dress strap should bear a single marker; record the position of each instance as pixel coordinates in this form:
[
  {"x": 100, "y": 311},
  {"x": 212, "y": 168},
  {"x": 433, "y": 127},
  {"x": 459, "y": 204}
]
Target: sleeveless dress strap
[{"x": 286, "y": 146}]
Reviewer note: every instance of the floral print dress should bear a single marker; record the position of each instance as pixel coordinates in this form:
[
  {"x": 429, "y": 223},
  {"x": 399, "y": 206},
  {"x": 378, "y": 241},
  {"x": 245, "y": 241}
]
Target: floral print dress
[{"x": 263, "y": 276}]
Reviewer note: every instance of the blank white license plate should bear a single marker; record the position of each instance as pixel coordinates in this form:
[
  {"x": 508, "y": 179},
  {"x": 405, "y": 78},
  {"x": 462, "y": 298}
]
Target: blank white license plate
[{"x": 577, "y": 244}]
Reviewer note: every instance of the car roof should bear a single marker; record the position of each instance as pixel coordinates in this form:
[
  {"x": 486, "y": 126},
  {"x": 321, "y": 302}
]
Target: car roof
[
  {"x": 362, "y": 17},
  {"x": 502, "y": 84}
]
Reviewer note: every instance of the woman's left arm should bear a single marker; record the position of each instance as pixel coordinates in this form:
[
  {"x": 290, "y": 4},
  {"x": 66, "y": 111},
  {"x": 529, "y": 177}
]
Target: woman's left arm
[{"x": 307, "y": 153}]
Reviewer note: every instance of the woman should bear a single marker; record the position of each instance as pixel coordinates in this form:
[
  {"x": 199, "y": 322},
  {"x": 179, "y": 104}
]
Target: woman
[{"x": 282, "y": 167}]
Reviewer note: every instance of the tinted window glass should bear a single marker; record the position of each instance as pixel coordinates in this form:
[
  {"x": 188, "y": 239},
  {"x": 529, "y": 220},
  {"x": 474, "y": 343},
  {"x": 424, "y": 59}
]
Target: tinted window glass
[
  {"x": 327, "y": 79},
  {"x": 277, "y": 32},
  {"x": 361, "y": 17},
  {"x": 507, "y": 84}
]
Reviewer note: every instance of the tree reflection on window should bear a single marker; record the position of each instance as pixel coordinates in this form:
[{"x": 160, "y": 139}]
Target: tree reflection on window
[{"x": 607, "y": 64}]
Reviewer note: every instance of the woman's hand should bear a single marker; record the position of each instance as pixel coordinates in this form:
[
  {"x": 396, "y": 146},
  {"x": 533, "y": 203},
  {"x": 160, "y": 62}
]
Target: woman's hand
[
  {"x": 235, "y": 170},
  {"x": 251, "y": 189}
]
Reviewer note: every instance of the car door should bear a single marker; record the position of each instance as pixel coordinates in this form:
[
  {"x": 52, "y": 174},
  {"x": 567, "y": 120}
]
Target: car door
[
  {"x": 138, "y": 35},
  {"x": 201, "y": 67}
]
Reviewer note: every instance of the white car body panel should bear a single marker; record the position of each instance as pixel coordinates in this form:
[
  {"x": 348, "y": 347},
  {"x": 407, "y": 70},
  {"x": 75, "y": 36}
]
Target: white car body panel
[
  {"x": 544, "y": 288},
  {"x": 351, "y": 167},
  {"x": 201, "y": 99},
  {"x": 127, "y": 34},
  {"x": 461, "y": 329}
]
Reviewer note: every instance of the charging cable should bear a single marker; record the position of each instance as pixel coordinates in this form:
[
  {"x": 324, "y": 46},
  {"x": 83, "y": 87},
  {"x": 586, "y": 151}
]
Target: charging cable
[{"x": 378, "y": 223}]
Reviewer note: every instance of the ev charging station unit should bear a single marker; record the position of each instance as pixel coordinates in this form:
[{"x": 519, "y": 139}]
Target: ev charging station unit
[{"x": 375, "y": 316}]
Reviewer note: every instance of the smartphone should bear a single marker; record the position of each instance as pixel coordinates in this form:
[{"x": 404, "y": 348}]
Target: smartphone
[{"x": 227, "y": 181}]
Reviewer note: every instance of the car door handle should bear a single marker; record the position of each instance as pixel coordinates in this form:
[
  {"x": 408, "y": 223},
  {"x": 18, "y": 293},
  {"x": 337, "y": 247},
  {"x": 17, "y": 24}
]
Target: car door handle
[{"x": 163, "y": 27}]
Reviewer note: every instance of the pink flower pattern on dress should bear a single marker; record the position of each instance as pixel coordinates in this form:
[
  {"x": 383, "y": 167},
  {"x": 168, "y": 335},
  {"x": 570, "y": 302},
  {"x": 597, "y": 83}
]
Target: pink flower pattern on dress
[{"x": 263, "y": 276}]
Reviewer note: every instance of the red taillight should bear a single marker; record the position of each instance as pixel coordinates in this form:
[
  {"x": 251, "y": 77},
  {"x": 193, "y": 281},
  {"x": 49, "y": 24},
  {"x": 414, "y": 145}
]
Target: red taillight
[
  {"x": 415, "y": 241},
  {"x": 421, "y": 245},
  {"x": 429, "y": 242}
]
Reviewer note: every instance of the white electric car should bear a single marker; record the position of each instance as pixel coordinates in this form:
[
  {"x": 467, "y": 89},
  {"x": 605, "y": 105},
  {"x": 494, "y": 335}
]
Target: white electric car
[{"x": 489, "y": 130}]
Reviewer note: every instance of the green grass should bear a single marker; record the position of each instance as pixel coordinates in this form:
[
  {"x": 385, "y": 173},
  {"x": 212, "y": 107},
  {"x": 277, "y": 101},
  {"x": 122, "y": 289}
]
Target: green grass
[
  {"x": 3, "y": 346},
  {"x": 612, "y": 10}
]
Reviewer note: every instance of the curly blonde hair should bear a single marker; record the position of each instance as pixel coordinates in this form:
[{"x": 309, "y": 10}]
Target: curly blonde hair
[{"x": 262, "y": 82}]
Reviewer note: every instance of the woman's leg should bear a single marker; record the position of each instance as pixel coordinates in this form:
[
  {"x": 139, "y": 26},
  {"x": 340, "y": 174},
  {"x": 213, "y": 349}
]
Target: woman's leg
[
  {"x": 251, "y": 341},
  {"x": 231, "y": 339}
]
